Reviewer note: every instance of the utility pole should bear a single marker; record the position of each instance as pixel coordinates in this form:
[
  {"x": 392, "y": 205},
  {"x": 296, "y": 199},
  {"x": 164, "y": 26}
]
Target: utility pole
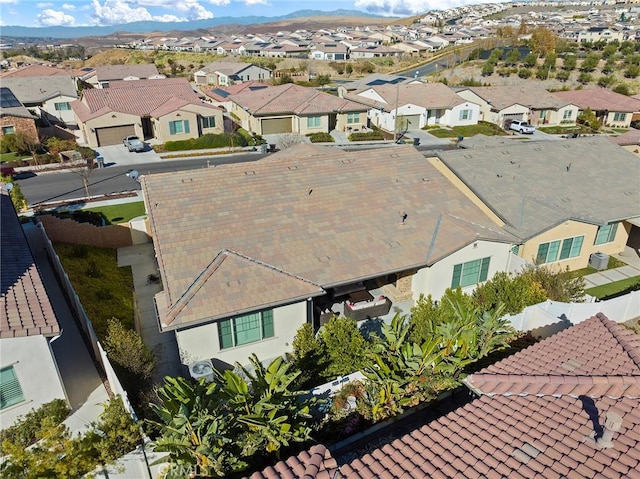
[{"x": 397, "y": 119}]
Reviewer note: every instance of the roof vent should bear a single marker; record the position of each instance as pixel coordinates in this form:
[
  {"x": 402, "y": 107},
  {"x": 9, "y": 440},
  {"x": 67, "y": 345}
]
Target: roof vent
[
  {"x": 249, "y": 173},
  {"x": 525, "y": 453},
  {"x": 293, "y": 167},
  {"x": 572, "y": 365},
  {"x": 612, "y": 423}
]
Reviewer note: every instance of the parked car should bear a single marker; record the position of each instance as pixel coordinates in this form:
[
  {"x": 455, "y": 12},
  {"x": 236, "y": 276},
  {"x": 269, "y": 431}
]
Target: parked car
[
  {"x": 133, "y": 143},
  {"x": 522, "y": 126}
]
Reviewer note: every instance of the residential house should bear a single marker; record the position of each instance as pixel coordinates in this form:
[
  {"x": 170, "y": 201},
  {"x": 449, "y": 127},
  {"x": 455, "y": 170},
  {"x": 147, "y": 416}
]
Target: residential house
[
  {"x": 599, "y": 34},
  {"x": 413, "y": 49},
  {"x": 14, "y": 117},
  {"x": 105, "y": 74},
  {"x": 30, "y": 71},
  {"x": 220, "y": 96},
  {"x": 49, "y": 97},
  {"x": 285, "y": 51},
  {"x": 162, "y": 110},
  {"x": 413, "y": 106},
  {"x": 374, "y": 79},
  {"x": 290, "y": 108},
  {"x": 29, "y": 375},
  {"x": 564, "y": 199},
  {"x": 377, "y": 51},
  {"x": 228, "y": 73},
  {"x": 502, "y": 104},
  {"x": 329, "y": 51},
  {"x": 268, "y": 244},
  {"x": 611, "y": 108},
  {"x": 565, "y": 407}
]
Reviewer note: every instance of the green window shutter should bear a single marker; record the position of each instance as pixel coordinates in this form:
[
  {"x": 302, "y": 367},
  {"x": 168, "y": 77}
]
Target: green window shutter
[
  {"x": 267, "y": 324},
  {"x": 225, "y": 334},
  {"x": 541, "y": 257},
  {"x": 172, "y": 127},
  {"x": 576, "y": 246},
  {"x": 10, "y": 389},
  {"x": 457, "y": 272},
  {"x": 484, "y": 270},
  {"x": 186, "y": 126}
]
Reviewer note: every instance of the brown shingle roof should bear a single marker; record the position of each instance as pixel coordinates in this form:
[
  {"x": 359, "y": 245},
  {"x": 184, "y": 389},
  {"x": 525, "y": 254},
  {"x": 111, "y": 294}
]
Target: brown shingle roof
[
  {"x": 25, "y": 309},
  {"x": 322, "y": 215},
  {"x": 294, "y": 99},
  {"x": 598, "y": 99}
]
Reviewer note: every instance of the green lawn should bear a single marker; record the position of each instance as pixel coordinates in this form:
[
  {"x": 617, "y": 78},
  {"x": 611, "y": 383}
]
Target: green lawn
[
  {"x": 11, "y": 157},
  {"x": 104, "y": 289},
  {"x": 566, "y": 129},
  {"x": 120, "y": 213},
  {"x": 483, "y": 127},
  {"x": 617, "y": 288},
  {"x": 613, "y": 263}
]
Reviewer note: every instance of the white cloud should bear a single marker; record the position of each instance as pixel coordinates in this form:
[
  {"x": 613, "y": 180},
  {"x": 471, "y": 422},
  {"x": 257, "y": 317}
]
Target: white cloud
[
  {"x": 193, "y": 10},
  {"x": 54, "y": 18},
  {"x": 44, "y": 4},
  {"x": 255, "y": 2},
  {"x": 68, "y": 6},
  {"x": 113, "y": 12},
  {"x": 8, "y": 1},
  {"x": 409, "y": 7}
]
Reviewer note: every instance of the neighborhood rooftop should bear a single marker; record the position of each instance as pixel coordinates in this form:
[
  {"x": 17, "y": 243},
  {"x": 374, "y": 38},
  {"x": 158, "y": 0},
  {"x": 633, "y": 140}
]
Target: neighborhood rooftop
[
  {"x": 314, "y": 217},
  {"x": 36, "y": 89},
  {"x": 535, "y": 186},
  {"x": 501, "y": 97},
  {"x": 600, "y": 99},
  {"x": 427, "y": 95},
  {"x": 118, "y": 72}
]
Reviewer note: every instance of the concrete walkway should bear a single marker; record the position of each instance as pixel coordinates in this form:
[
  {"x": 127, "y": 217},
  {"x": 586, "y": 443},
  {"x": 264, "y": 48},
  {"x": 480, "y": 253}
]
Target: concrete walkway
[
  {"x": 83, "y": 385},
  {"x": 630, "y": 270}
]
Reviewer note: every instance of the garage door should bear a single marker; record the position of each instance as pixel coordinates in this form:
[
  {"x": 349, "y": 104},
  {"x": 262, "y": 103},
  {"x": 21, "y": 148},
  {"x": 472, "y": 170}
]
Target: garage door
[
  {"x": 412, "y": 122},
  {"x": 114, "y": 135},
  {"x": 509, "y": 117},
  {"x": 276, "y": 125}
]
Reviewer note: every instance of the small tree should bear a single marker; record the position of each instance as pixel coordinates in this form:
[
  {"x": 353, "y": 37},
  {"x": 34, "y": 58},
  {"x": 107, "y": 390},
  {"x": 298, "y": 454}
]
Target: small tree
[
  {"x": 588, "y": 118},
  {"x": 487, "y": 69},
  {"x": 569, "y": 62},
  {"x": 513, "y": 57},
  {"x": 524, "y": 73},
  {"x": 585, "y": 78},
  {"x": 344, "y": 347},
  {"x": 28, "y": 144},
  {"x": 531, "y": 60},
  {"x": 558, "y": 284},
  {"x": 590, "y": 63},
  {"x": 308, "y": 357},
  {"x": 623, "y": 89},
  {"x": 125, "y": 348},
  {"x": 562, "y": 75},
  {"x": 17, "y": 198}
]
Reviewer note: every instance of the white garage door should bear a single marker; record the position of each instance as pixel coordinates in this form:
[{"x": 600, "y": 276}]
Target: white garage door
[
  {"x": 114, "y": 135},
  {"x": 276, "y": 125}
]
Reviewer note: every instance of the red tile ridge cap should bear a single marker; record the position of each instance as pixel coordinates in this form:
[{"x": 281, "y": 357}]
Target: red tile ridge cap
[
  {"x": 318, "y": 454},
  {"x": 622, "y": 336}
]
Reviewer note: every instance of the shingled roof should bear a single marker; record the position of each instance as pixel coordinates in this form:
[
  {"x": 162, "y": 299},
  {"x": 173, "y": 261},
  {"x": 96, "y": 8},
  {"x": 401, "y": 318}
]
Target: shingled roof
[
  {"x": 598, "y": 99},
  {"x": 501, "y": 97},
  {"x": 538, "y": 185},
  {"x": 514, "y": 432},
  {"x": 25, "y": 309},
  {"x": 300, "y": 221},
  {"x": 427, "y": 95}
]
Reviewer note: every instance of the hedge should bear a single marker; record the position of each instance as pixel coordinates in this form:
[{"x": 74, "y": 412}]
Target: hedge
[
  {"x": 206, "y": 141},
  {"x": 367, "y": 136},
  {"x": 320, "y": 137}
]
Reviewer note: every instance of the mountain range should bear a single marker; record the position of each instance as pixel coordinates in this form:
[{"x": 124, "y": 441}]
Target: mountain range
[{"x": 16, "y": 31}]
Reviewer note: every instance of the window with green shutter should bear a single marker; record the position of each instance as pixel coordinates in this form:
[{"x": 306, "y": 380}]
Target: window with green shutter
[
  {"x": 245, "y": 329},
  {"x": 470, "y": 273},
  {"x": 10, "y": 389}
]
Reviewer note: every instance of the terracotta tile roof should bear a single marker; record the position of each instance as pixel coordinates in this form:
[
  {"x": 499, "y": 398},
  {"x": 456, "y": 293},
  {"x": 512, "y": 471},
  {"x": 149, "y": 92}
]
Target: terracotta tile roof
[
  {"x": 502, "y": 97},
  {"x": 600, "y": 99},
  {"x": 35, "y": 71},
  {"x": 508, "y": 434},
  {"x": 316, "y": 463},
  {"x": 293, "y": 99},
  {"x": 508, "y": 179},
  {"x": 304, "y": 218},
  {"x": 118, "y": 72},
  {"x": 427, "y": 95},
  {"x": 139, "y": 97},
  {"x": 25, "y": 309},
  {"x": 631, "y": 137},
  {"x": 221, "y": 93}
]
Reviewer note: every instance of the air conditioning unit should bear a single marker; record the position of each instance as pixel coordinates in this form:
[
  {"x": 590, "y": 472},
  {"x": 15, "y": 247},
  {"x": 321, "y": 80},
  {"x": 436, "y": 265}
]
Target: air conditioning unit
[{"x": 202, "y": 369}]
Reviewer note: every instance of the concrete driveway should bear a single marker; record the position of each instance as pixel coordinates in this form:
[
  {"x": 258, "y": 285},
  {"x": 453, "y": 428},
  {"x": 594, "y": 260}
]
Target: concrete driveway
[{"x": 120, "y": 156}]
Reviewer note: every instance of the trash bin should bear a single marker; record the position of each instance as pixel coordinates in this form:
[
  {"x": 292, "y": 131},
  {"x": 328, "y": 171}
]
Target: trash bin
[
  {"x": 599, "y": 261},
  {"x": 460, "y": 138},
  {"x": 416, "y": 142},
  {"x": 100, "y": 160},
  {"x": 272, "y": 147},
  {"x": 264, "y": 149}
]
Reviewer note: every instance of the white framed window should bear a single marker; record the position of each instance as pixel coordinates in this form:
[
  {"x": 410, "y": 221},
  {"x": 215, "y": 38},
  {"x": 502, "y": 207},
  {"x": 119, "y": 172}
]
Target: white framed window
[
  {"x": 313, "y": 122},
  {"x": 559, "y": 250},
  {"x": 567, "y": 114},
  {"x": 62, "y": 106},
  {"x": 353, "y": 117},
  {"x": 10, "y": 389},
  {"x": 179, "y": 126},
  {"x": 470, "y": 273},
  {"x": 606, "y": 233},
  {"x": 617, "y": 116},
  {"x": 465, "y": 115},
  {"x": 245, "y": 329},
  {"x": 208, "y": 122}
]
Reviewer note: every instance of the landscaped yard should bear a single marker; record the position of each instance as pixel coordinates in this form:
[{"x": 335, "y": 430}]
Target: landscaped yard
[
  {"x": 104, "y": 289},
  {"x": 120, "y": 213},
  {"x": 483, "y": 127},
  {"x": 12, "y": 157},
  {"x": 618, "y": 288}
]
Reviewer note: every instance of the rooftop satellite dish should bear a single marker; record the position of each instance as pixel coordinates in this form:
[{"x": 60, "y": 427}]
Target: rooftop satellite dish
[{"x": 133, "y": 174}]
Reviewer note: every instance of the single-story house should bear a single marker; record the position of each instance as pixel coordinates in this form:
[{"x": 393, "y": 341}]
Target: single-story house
[
  {"x": 374, "y": 51},
  {"x": 374, "y": 79},
  {"x": 269, "y": 244},
  {"x": 284, "y": 50},
  {"x": 413, "y": 49},
  {"x": 163, "y": 110},
  {"x": 14, "y": 117},
  {"x": 598, "y": 34},
  {"x": 36, "y": 70},
  {"x": 49, "y": 96},
  {"x": 564, "y": 199},
  {"x": 228, "y": 73},
  {"x": 412, "y": 106},
  {"x": 220, "y": 96},
  {"x": 292, "y": 108},
  {"x": 105, "y": 74},
  {"x": 502, "y": 104},
  {"x": 29, "y": 375},
  {"x": 329, "y": 51},
  {"x": 611, "y": 108},
  {"x": 565, "y": 407}
]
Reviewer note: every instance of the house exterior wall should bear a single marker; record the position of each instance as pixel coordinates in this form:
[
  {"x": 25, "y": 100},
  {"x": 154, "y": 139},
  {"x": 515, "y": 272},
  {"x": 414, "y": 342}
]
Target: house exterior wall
[
  {"x": 300, "y": 125},
  {"x": 572, "y": 229},
  {"x": 37, "y": 372},
  {"x": 255, "y": 73},
  {"x": 485, "y": 113},
  {"x": 26, "y": 126},
  {"x": 66, "y": 116},
  {"x": 109, "y": 119},
  {"x": 501, "y": 116},
  {"x": 202, "y": 342},
  {"x": 342, "y": 121},
  {"x": 618, "y": 123},
  {"x": 453, "y": 117},
  {"x": 436, "y": 279},
  {"x": 161, "y": 126}
]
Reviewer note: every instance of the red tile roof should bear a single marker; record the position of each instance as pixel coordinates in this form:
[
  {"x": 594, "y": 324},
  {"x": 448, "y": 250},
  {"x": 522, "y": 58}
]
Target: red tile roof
[
  {"x": 599, "y": 99},
  {"x": 512, "y": 433},
  {"x": 316, "y": 463},
  {"x": 25, "y": 309}
]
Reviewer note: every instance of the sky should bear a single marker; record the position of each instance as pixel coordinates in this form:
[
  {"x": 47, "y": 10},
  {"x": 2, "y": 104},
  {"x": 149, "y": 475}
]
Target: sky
[{"x": 47, "y": 13}]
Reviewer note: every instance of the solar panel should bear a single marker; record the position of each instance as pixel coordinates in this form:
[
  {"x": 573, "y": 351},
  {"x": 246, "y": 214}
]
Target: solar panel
[{"x": 8, "y": 99}]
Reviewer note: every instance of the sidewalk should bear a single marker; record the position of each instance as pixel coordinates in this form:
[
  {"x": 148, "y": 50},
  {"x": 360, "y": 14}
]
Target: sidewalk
[{"x": 631, "y": 270}]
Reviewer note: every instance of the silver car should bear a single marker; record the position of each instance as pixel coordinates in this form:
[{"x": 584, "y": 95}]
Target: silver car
[{"x": 133, "y": 143}]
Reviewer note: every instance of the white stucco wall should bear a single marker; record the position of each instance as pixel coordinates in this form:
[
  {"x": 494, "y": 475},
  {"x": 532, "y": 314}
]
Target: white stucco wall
[
  {"x": 36, "y": 370},
  {"x": 436, "y": 279},
  {"x": 452, "y": 117},
  {"x": 202, "y": 342},
  {"x": 65, "y": 115}
]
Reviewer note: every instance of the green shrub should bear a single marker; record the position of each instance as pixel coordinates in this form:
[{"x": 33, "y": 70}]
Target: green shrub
[
  {"x": 345, "y": 347},
  {"x": 9, "y": 143},
  {"x": 320, "y": 137},
  {"x": 366, "y": 136},
  {"x": 209, "y": 140},
  {"x": 124, "y": 347},
  {"x": 28, "y": 429}
]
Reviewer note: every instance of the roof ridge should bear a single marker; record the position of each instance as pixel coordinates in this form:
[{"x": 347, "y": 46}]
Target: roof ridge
[{"x": 622, "y": 335}]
